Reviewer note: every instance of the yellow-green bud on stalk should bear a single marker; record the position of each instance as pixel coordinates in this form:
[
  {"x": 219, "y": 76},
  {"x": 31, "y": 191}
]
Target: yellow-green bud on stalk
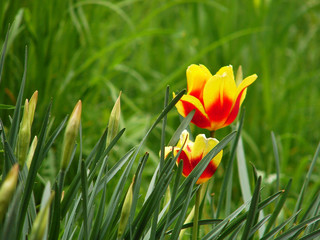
[
  {"x": 239, "y": 76},
  {"x": 114, "y": 119},
  {"x": 70, "y": 135},
  {"x": 31, "y": 151},
  {"x": 125, "y": 212},
  {"x": 7, "y": 189},
  {"x": 32, "y": 106},
  {"x": 41, "y": 221},
  {"x": 24, "y": 135}
]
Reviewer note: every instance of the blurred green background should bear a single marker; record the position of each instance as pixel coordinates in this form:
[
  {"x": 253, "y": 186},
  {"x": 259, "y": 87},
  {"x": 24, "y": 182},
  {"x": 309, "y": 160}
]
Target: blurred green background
[{"x": 92, "y": 50}]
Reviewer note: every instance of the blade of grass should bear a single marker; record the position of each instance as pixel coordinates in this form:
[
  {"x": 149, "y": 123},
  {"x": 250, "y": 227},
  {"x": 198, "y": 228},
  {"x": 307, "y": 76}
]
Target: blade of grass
[
  {"x": 214, "y": 232},
  {"x": 13, "y": 134},
  {"x": 84, "y": 187},
  {"x": 311, "y": 236},
  {"x": 258, "y": 225},
  {"x": 11, "y": 218},
  {"x": 99, "y": 217},
  {"x": 252, "y": 211},
  {"x": 3, "y": 52},
  {"x": 243, "y": 172},
  {"x": 136, "y": 188},
  {"x": 179, "y": 223},
  {"x": 183, "y": 125},
  {"x": 292, "y": 231},
  {"x": 306, "y": 182},
  {"x": 173, "y": 197},
  {"x": 228, "y": 173},
  {"x": 276, "y": 157},
  {"x": 70, "y": 220},
  {"x": 278, "y": 207},
  {"x": 277, "y": 229},
  {"x": 241, "y": 218}
]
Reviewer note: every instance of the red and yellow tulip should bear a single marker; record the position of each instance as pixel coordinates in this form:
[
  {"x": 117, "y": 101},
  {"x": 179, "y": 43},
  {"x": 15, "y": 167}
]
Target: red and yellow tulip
[
  {"x": 193, "y": 152},
  {"x": 216, "y": 98}
]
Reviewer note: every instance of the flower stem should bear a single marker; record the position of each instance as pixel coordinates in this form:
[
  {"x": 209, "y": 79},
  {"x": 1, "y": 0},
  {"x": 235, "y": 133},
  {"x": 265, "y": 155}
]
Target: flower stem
[
  {"x": 212, "y": 133},
  {"x": 196, "y": 214}
]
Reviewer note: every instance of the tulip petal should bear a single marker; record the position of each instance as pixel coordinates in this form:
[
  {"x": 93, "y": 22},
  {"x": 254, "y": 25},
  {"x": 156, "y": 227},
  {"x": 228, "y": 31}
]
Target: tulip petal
[
  {"x": 198, "y": 148},
  {"x": 240, "y": 97},
  {"x": 197, "y": 76},
  {"x": 188, "y": 103},
  {"x": 187, "y": 167},
  {"x": 218, "y": 95}
]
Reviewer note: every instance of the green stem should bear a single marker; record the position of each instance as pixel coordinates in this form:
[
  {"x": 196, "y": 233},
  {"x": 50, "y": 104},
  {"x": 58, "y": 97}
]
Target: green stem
[
  {"x": 212, "y": 133},
  {"x": 196, "y": 214}
]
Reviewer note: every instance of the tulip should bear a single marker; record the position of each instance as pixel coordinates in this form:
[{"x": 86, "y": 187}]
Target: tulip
[
  {"x": 215, "y": 98},
  {"x": 193, "y": 152}
]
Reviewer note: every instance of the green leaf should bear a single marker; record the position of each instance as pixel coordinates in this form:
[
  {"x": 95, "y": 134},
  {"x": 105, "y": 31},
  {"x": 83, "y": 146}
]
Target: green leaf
[
  {"x": 278, "y": 207},
  {"x": 3, "y": 52},
  {"x": 294, "y": 230},
  {"x": 228, "y": 174},
  {"x": 179, "y": 223},
  {"x": 13, "y": 134},
  {"x": 99, "y": 217},
  {"x": 276, "y": 157},
  {"x": 35, "y": 163},
  {"x": 311, "y": 236},
  {"x": 277, "y": 229},
  {"x": 183, "y": 125},
  {"x": 258, "y": 225},
  {"x": 173, "y": 197},
  {"x": 306, "y": 182},
  {"x": 84, "y": 187},
  {"x": 11, "y": 218},
  {"x": 252, "y": 211},
  {"x": 241, "y": 218},
  {"x": 216, "y": 231}
]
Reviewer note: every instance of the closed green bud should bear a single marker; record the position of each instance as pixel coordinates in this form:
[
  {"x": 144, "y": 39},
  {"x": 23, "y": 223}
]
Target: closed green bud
[
  {"x": 125, "y": 212},
  {"x": 24, "y": 135},
  {"x": 31, "y": 151},
  {"x": 70, "y": 135},
  {"x": 7, "y": 189},
  {"x": 32, "y": 106},
  {"x": 113, "y": 125},
  {"x": 40, "y": 223}
]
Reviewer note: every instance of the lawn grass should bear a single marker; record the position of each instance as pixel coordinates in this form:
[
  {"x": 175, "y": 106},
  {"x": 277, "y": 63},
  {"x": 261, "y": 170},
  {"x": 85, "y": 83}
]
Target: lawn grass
[{"x": 92, "y": 50}]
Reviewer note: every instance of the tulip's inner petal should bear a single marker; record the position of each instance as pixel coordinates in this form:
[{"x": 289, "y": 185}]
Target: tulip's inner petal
[
  {"x": 218, "y": 99},
  {"x": 199, "y": 145},
  {"x": 227, "y": 70},
  {"x": 188, "y": 103},
  {"x": 197, "y": 76},
  {"x": 184, "y": 138},
  {"x": 168, "y": 150}
]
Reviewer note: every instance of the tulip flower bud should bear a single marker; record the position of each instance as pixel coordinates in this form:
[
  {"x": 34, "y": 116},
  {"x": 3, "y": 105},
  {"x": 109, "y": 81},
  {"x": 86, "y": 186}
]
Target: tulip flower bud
[
  {"x": 32, "y": 106},
  {"x": 24, "y": 135},
  {"x": 126, "y": 208},
  {"x": 41, "y": 221},
  {"x": 31, "y": 151},
  {"x": 70, "y": 135},
  {"x": 7, "y": 189},
  {"x": 114, "y": 119}
]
